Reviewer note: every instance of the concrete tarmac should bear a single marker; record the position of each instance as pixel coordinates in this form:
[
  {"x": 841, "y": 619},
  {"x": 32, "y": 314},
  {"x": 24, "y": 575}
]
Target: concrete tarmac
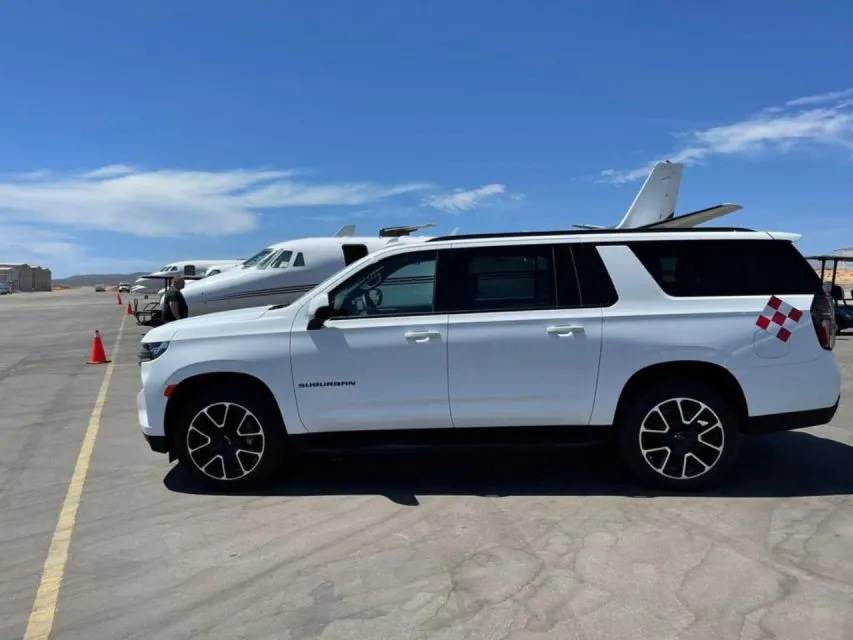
[{"x": 530, "y": 547}]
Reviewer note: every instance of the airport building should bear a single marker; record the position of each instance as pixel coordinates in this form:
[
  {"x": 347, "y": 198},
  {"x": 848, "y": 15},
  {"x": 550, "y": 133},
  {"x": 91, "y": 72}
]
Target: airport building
[
  {"x": 26, "y": 277},
  {"x": 42, "y": 278}
]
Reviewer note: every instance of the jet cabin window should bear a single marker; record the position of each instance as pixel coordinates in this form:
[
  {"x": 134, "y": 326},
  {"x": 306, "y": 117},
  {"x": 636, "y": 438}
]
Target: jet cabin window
[{"x": 399, "y": 285}]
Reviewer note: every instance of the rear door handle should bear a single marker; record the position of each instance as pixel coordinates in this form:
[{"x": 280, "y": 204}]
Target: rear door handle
[
  {"x": 421, "y": 336},
  {"x": 565, "y": 330}
]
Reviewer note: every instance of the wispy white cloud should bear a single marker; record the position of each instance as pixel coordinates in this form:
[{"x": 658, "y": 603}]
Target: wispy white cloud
[
  {"x": 461, "y": 200},
  {"x": 818, "y": 119},
  {"x": 110, "y": 171},
  {"x": 124, "y": 199}
]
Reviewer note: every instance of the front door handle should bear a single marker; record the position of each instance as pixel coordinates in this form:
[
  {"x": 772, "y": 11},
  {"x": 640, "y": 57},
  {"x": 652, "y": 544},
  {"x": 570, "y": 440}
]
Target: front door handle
[
  {"x": 421, "y": 336},
  {"x": 565, "y": 330}
]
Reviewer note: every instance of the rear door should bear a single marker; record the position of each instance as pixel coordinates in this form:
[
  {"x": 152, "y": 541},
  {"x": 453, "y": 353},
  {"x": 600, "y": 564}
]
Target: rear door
[{"x": 522, "y": 348}]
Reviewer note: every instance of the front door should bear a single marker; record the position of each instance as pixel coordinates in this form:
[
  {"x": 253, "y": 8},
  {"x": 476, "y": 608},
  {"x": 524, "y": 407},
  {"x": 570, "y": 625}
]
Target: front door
[
  {"x": 515, "y": 357},
  {"x": 383, "y": 363}
]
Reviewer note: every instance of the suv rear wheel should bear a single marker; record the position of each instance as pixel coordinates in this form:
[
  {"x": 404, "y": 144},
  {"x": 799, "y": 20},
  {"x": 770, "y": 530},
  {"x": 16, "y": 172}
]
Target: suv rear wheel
[
  {"x": 680, "y": 435},
  {"x": 229, "y": 438}
]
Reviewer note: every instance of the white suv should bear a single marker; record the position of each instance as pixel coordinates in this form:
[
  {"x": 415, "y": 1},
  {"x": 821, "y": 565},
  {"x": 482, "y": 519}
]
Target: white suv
[{"x": 675, "y": 342}]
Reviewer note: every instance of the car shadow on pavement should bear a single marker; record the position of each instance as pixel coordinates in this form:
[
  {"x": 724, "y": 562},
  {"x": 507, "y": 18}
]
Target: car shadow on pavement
[{"x": 782, "y": 465}]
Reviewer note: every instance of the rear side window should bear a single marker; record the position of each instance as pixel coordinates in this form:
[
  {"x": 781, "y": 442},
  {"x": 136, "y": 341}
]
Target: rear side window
[
  {"x": 709, "y": 268},
  {"x": 501, "y": 278},
  {"x": 592, "y": 285}
]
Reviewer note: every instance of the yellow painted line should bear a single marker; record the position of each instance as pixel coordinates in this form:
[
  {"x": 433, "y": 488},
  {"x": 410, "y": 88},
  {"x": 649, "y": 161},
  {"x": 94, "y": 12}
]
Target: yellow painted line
[{"x": 44, "y": 607}]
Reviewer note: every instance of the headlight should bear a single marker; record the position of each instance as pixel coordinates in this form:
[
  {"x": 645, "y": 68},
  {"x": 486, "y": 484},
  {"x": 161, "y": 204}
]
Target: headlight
[{"x": 152, "y": 350}]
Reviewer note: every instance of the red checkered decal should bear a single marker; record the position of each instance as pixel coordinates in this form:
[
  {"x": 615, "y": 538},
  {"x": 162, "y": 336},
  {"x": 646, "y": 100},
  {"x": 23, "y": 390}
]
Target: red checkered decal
[{"x": 779, "y": 318}]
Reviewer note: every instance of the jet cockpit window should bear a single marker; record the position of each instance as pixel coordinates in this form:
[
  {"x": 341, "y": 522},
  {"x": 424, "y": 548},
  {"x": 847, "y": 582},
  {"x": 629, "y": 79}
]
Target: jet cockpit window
[
  {"x": 263, "y": 264},
  {"x": 282, "y": 260},
  {"x": 299, "y": 260},
  {"x": 255, "y": 259}
]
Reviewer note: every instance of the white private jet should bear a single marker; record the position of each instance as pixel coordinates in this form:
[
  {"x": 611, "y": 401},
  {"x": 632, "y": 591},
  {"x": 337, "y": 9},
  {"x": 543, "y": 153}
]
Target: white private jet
[
  {"x": 153, "y": 282},
  {"x": 282, "y": 272}
]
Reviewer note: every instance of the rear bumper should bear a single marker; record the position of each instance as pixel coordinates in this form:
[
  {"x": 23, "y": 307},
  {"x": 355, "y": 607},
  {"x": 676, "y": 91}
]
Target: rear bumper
[{"x": 776, "y": 422}]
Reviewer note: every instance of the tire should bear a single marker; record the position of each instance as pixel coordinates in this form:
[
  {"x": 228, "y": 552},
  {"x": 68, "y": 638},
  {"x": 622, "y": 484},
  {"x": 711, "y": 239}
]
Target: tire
[
  {"x": 644, "y": 440},
  {"x": 243, "y": 454}
]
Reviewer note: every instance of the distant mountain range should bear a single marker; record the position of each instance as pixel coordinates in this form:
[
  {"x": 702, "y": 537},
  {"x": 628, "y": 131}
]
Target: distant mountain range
[{"x": 106, "y": 279}]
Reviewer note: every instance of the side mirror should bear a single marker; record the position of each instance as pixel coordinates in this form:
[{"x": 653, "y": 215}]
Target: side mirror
[{"x": 319, "y": 310}]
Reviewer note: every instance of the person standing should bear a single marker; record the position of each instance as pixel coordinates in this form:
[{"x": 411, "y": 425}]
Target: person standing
[{"x": 174, "y": 305}]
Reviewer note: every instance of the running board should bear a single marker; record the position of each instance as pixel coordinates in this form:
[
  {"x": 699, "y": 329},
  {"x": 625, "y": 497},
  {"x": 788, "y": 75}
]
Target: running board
[{"x": 390, "y": 441}]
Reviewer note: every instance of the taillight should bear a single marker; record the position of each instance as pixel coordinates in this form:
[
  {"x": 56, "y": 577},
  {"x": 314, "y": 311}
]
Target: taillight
[{"x": 823, "y": 318}]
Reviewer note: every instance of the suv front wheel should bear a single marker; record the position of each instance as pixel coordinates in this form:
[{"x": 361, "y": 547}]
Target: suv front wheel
[
  {"x": 680, "y": 435},
  {"x": 229, "y": 438}
]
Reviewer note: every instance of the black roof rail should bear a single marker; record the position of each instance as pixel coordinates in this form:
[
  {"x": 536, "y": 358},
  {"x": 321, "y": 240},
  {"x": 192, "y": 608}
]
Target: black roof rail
[{"x": 585, "y": 232}]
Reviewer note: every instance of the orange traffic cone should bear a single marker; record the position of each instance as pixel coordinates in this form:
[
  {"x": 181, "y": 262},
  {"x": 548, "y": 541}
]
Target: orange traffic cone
[
  {"x": 97, "y": 355},
  {"x": 129, "y": 309},
  {"x": 118, "y": 300}
]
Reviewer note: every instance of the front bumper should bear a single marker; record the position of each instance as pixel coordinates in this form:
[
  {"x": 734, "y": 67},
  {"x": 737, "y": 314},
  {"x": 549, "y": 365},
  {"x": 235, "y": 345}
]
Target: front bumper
[
  {"x": 158, "y": 444},
  {"x": 154, "y": 436},
  {"x": 150, "y": 411}
]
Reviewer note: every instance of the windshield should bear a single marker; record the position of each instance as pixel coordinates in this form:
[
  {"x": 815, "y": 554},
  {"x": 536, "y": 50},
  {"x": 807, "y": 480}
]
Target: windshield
[
  {"x": 281, "y": 260},
  {"x": 255, "y": 259},
  {"x": 263, "y": 264}
]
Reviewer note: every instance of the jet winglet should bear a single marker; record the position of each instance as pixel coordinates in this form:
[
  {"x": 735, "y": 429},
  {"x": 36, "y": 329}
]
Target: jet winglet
[
  {"x": 396, "y": 232},
  {"x": 346, "y": 231}
]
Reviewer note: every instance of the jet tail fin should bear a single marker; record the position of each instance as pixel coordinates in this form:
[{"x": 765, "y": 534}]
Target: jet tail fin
[{"x": 656, "y": 199}]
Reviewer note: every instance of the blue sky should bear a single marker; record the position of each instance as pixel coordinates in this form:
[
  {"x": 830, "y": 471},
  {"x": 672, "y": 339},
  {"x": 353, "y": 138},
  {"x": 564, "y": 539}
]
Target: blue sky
[{"x": 138, "y": 133}]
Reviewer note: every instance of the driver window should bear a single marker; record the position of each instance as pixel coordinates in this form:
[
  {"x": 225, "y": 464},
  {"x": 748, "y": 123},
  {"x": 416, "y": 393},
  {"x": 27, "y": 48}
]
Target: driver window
[{"x": 399, "y": 285}]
